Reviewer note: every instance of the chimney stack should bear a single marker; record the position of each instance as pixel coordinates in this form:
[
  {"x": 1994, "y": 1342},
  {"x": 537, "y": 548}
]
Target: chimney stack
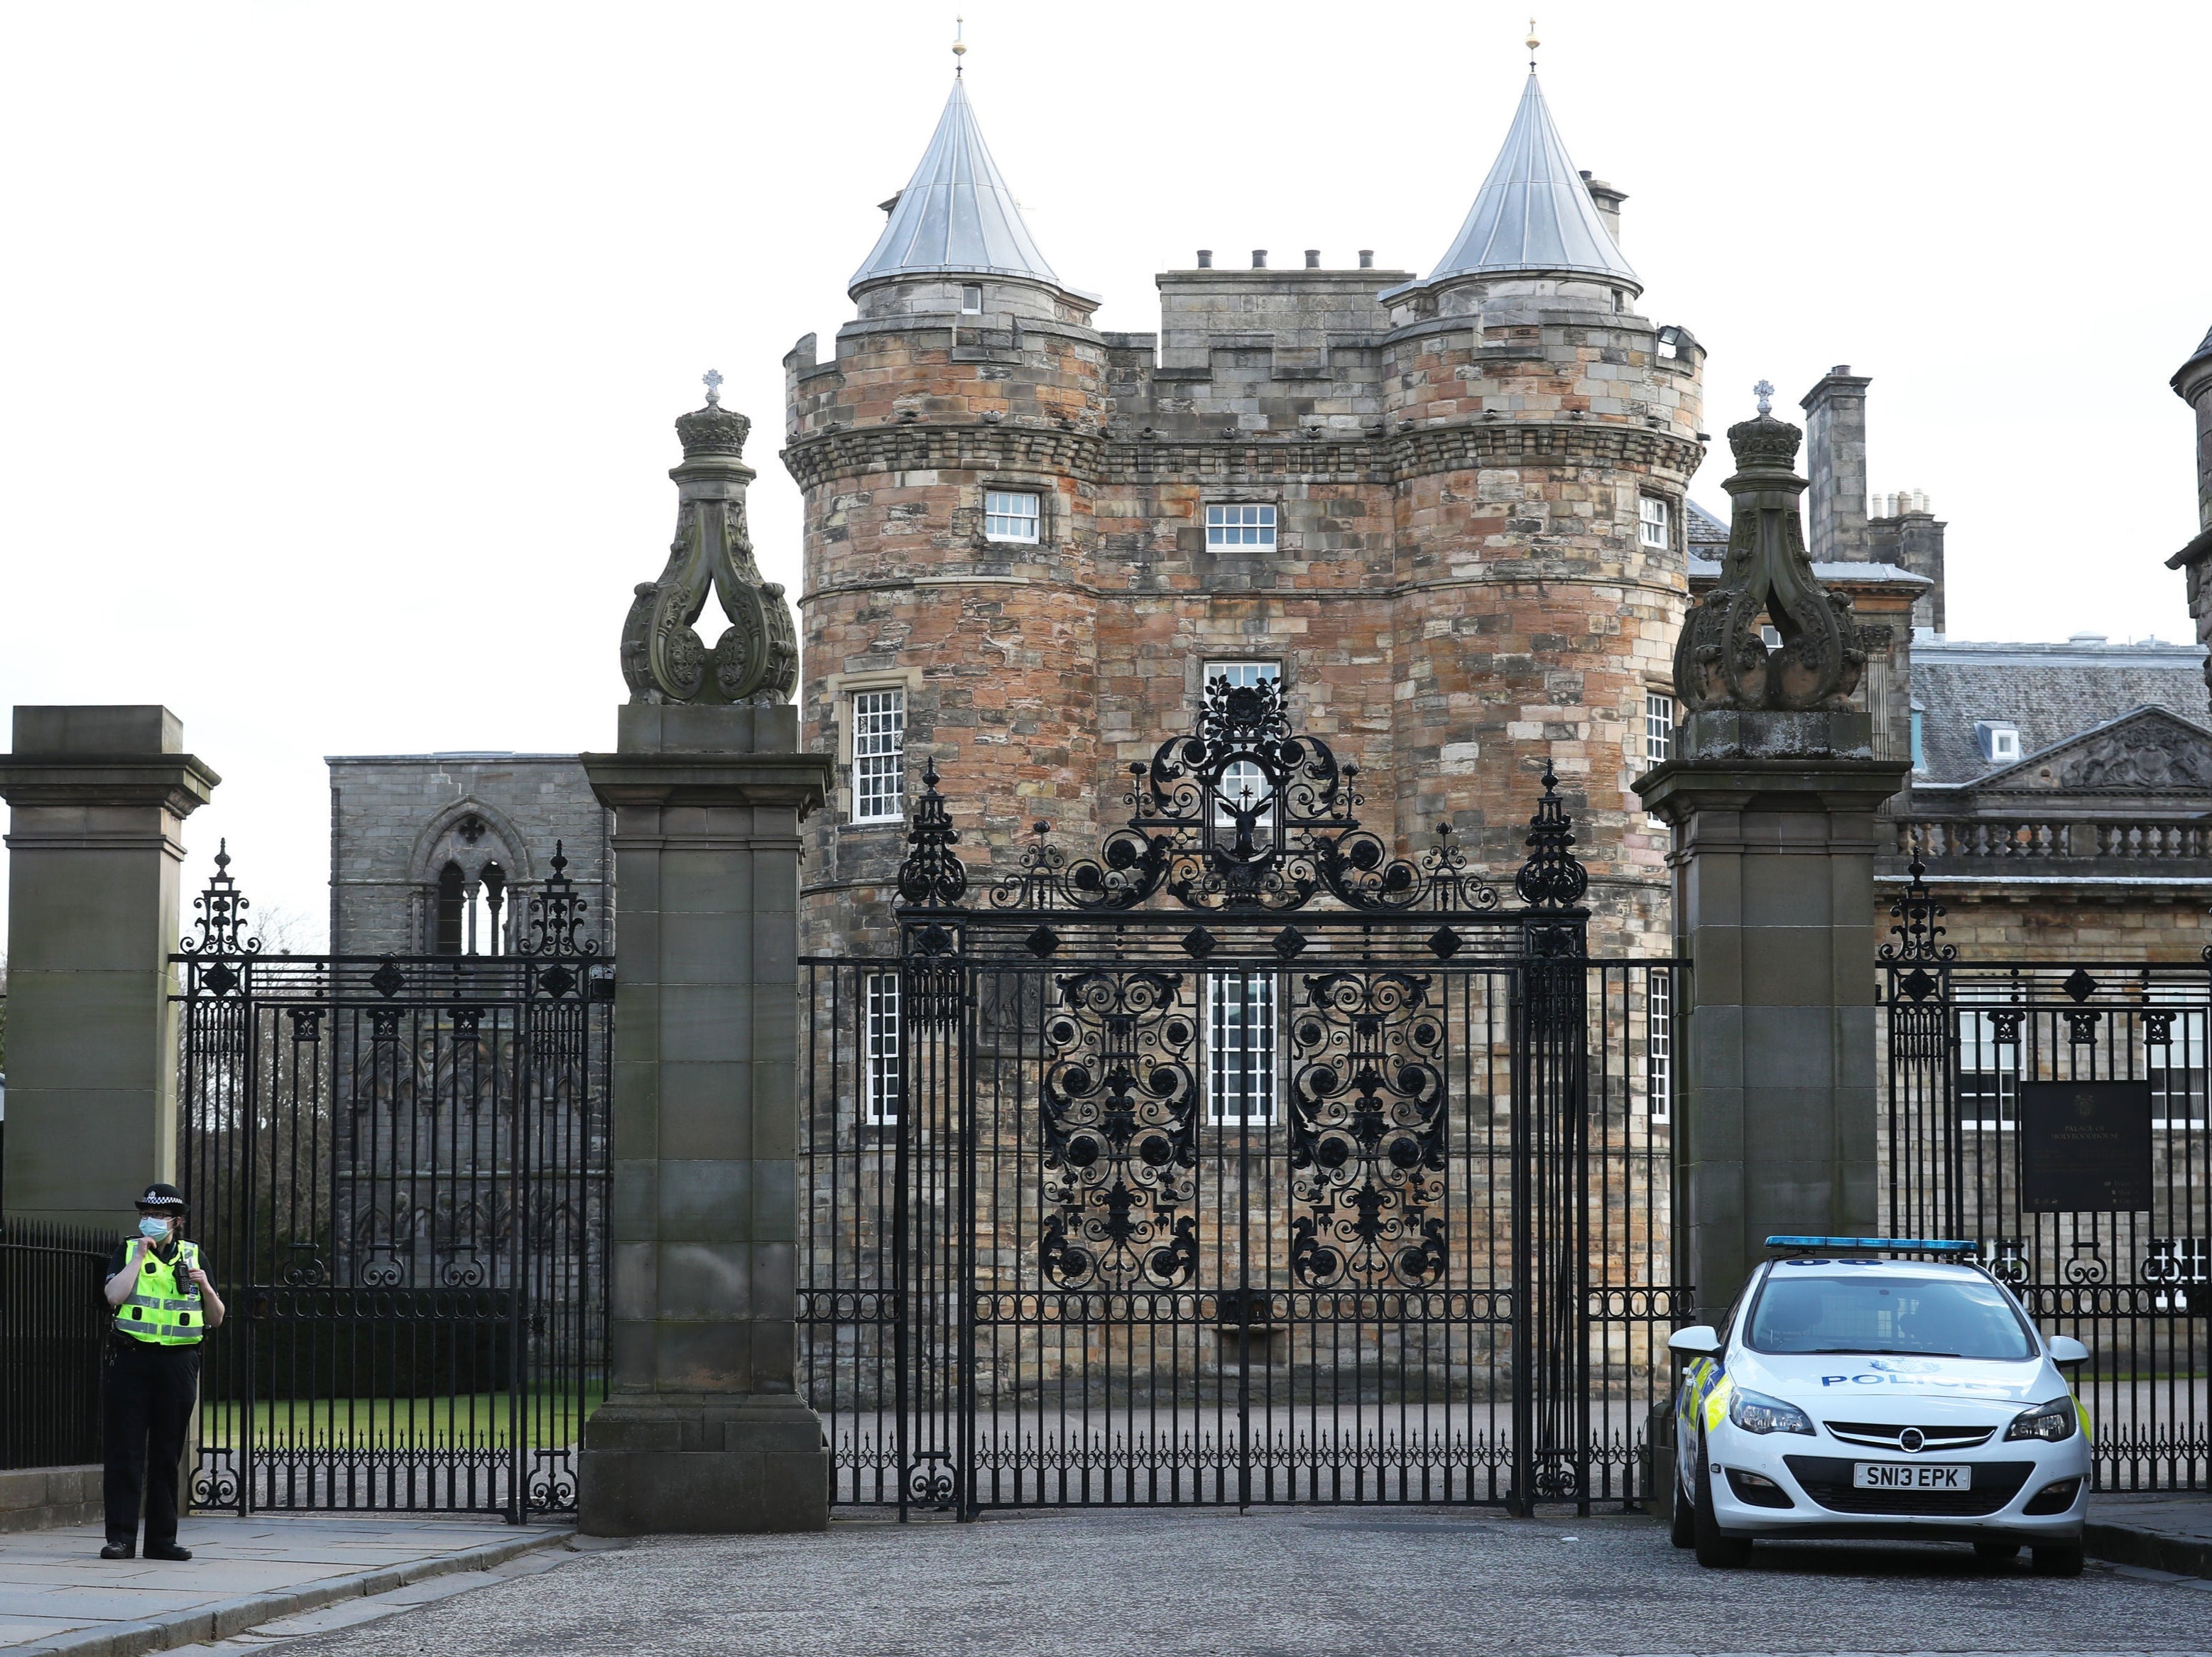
[
  {"x": 1606, "y": 200},
  {"x": 1835, "y": 455}
]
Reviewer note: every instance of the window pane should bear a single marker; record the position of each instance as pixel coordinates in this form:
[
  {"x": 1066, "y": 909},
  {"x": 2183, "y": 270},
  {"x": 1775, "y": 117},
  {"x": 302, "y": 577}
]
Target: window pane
[
  {"x": 1241, "y": 1046},
  {"x": 1240, "y": 526},
  {"x": 1651, "y": 521},
  {"x": 1011, "y": 517},
  {"x": 1659, "y": 1042},
  {"x": 1244, "y": 675},
  {"x": 879, "y": 756},
  {"x": 879, "y": 1034}
]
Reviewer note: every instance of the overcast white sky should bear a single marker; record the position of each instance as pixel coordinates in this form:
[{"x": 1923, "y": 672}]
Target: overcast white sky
[{"x": 340, "y": 341}]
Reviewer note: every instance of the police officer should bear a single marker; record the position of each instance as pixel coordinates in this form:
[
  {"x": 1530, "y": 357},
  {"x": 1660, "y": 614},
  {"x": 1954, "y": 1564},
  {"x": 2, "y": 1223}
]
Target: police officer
[{"x": 163, "y": 1302}]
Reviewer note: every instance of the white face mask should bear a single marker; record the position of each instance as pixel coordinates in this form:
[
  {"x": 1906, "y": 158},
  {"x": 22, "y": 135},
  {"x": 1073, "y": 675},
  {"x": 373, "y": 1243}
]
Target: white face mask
[{"x": 152, "y": 1230}]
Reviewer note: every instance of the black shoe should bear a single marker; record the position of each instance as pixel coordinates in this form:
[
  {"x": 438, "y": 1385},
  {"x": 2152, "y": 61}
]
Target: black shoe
[
  {"x": 166, "y": 1550},
  {"x": 118, "y": 1550}
]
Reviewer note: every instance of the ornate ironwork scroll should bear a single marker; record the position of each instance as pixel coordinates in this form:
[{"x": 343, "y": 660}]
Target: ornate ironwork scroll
[
  {"x": 555, "y": 913},
  {"x": 1121, "y": 1149},
  {"x": 1917, "y": 922},
  {"x": 1244, "y": 815},
  {"x": 1366, "y": 1131},
  {"x": 221, "y": 922},
  {"x": 932, "y": 875}
]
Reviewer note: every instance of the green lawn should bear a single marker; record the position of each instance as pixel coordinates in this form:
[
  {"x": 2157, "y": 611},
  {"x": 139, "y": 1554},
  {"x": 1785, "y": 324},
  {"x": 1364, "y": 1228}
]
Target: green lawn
[{"x": 469, "y": 1420}]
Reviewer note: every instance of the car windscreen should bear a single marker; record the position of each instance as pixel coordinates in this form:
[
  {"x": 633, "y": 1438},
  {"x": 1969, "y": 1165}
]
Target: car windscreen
[{"x": 1929, "y": 1317}]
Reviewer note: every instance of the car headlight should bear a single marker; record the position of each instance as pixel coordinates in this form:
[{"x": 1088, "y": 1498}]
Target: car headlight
[
  {"x": 2051, "y": 1421},
  {"x": 1755, "y": 1412}
]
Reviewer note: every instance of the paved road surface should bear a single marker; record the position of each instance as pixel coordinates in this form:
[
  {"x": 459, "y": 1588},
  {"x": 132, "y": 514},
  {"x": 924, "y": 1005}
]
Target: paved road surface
[{"x": 1297, "y": 1583}]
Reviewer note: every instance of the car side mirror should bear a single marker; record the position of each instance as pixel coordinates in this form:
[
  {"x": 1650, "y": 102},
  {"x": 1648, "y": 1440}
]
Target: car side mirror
[
  {"x": 2065, "y": 1350},
  {"x": 1703, "y": 1341}
]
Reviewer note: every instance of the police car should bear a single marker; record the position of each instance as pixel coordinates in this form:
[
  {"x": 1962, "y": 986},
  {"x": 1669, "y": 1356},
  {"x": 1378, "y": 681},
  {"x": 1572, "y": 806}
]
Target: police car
[{"x": 1854, "y": 1393}]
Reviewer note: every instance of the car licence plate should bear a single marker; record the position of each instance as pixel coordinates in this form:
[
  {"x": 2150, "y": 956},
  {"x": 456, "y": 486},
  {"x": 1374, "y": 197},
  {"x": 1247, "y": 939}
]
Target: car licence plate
[{"x": 1910, "y": 1476}]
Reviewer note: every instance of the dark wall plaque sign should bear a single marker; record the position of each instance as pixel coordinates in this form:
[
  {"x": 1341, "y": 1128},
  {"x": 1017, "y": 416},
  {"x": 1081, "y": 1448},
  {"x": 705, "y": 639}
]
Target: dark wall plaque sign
[{"x": 2084, "y": 1147}]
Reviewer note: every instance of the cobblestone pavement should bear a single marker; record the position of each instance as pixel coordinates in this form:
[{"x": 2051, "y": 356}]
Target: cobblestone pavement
[{"x": 1282, "y": 1583}]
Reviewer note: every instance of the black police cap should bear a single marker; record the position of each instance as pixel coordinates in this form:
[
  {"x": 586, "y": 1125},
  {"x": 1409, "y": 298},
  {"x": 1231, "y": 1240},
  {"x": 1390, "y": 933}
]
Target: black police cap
[{"x": 158, "y": 1196}]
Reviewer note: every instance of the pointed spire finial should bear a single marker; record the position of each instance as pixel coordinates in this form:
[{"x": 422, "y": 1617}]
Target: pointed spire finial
[
  {"x": 712, "y": 379},
  {"x": 1533, "y": 44},
  {"x": 959, "y": 44},
  {"x": 1765, "y": 392}
]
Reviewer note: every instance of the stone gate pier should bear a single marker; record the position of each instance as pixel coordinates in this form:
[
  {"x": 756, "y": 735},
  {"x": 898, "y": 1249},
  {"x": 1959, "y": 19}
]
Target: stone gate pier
[
  {"x": 704, "y": 1428},
  {"x": 1773, "y": 792},
  {"x": 97, "y": 799}
]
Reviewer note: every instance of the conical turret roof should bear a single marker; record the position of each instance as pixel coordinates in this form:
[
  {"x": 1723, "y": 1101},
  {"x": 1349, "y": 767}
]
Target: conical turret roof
[
  {"x": 1532, "y": 212},
  {"x": 956, "y": 215}
]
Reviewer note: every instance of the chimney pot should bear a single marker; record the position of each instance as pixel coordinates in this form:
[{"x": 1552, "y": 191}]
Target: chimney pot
[
  {"x": 1841, "y": 368},
  {"x": 1205, "y": 259},
  {"x": 1366, "y": 258},
  {"x": 1258, "y": 258},
  {"x": 1313, "y": 258}
]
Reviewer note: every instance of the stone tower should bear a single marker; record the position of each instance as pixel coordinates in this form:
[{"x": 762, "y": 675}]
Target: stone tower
[
  {"x": 1542, "y": 435},
  {"x": 1447, "y": 513},
  {"x": 971, "y": 370}
]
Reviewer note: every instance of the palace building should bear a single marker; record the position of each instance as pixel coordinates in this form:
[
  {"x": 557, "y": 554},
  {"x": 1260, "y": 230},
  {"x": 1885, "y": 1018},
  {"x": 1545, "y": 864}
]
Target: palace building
[{"x": 1446, "y": 513}]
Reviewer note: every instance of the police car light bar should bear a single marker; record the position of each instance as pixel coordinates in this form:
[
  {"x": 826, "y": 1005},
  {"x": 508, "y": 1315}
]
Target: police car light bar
[{"x": 1860, "y": 1245}]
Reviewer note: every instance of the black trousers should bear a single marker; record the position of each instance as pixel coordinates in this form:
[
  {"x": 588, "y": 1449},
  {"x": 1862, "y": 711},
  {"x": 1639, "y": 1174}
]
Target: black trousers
[{"x": 146, "y": 1406}]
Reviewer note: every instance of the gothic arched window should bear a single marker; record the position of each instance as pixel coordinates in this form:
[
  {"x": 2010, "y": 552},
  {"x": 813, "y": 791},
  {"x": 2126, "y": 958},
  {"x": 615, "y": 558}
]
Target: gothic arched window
[{"x": 453, "y": 910}]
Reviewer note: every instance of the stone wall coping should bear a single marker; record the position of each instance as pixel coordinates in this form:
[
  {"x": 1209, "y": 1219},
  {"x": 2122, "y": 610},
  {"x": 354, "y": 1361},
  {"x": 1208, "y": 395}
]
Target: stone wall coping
[
  {"x": 800, "y": 780},
  {"x": 179, "y": 783}
]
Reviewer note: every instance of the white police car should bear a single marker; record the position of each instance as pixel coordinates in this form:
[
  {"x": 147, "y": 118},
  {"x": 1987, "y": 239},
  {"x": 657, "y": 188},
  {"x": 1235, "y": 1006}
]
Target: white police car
[{"x": 1854, "y": 1395}]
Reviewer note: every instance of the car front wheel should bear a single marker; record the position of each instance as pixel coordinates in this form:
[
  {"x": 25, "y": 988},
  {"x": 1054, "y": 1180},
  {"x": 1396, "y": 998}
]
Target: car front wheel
[
  {"x": 1715, "y": 1549},
  {"x": 1684, "y": 1533}
]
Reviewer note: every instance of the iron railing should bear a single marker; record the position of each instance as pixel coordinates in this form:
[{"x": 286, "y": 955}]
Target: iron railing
[
  {"x": 53, "y": 1323},
  {"x": 1239, "y": 1162},
  {"x": 2126, "y": 1267},
  {"x": 398, "y": 1168}
]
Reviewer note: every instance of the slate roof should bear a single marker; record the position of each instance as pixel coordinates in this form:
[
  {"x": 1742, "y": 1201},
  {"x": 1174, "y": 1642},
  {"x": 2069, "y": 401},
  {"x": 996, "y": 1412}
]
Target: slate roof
[
  {"x": 2052, "y": 693},
  {"x": 956, "y": 215},
  {"x": 1705, "y": 529},
  {"x": 1532, "y": 212}
]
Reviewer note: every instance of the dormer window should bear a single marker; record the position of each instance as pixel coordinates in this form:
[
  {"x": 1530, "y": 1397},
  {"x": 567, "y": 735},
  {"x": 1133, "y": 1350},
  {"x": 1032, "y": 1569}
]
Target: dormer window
[
  {"x": 1999, "y": 740},
  {"x": 971, "y": 300}
]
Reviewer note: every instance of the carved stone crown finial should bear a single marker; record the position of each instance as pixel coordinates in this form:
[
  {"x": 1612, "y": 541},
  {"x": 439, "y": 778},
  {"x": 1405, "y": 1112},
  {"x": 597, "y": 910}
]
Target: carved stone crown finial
[
  {"x": 755, "y": 661},
  {"x": 1765, "y": 443},
  {"x": 1722, "y": 659},
  {"x": 713, "y": 430}
]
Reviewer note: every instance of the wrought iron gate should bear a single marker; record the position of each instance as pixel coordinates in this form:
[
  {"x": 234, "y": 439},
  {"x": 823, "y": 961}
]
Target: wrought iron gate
[
  {"x": 1241, "y": 1163},
  {"x": 398, "y": 1169},
  {"x": 1968, "y": 1042}
]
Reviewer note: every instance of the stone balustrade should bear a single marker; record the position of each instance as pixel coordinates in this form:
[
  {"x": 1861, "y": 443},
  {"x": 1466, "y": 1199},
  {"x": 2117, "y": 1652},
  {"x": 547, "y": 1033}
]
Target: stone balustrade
[{"x": 1967, "y": 842}]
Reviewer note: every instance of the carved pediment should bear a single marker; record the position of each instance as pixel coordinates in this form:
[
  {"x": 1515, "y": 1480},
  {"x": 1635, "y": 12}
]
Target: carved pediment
[{"x": 2150, "y": 751}]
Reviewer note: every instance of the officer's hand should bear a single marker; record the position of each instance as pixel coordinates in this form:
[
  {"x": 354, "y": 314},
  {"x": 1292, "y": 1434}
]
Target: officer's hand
[{"x": 198, "y": 1277}]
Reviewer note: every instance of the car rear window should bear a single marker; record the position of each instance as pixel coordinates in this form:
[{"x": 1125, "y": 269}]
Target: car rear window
[{"x": 1932, "y": 1317}]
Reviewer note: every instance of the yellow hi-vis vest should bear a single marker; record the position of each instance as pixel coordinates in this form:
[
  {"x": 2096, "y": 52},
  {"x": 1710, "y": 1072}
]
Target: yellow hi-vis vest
[{"x": 164, "y": 1307}]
